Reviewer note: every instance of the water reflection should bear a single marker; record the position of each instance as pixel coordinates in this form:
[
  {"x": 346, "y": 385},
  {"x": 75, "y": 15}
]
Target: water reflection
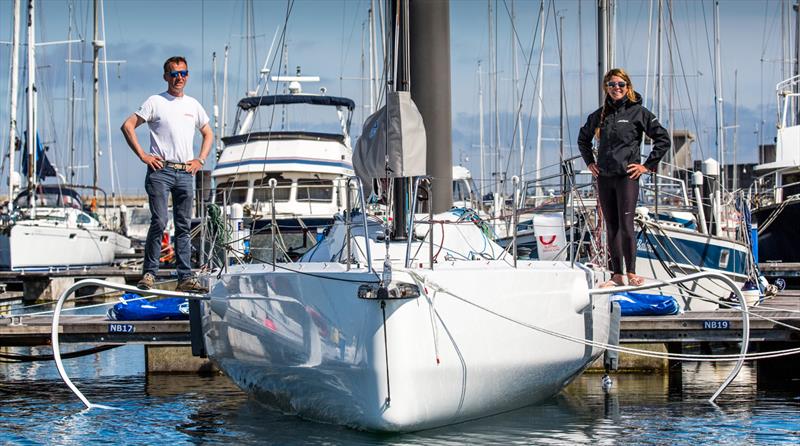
[{"x": 187, "y": 409}]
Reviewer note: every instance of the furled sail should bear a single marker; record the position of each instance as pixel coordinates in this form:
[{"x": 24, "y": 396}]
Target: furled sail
[{"x": 392, "y": 146}]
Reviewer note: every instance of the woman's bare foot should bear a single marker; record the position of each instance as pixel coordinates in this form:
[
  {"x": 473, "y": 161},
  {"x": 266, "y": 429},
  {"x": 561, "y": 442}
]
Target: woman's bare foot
[
  {"x": 634, "y": 280},
  {"x": 616, "y": 280}
]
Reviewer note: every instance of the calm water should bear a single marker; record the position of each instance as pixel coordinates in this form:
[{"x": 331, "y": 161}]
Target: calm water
[{"x": 37, "y": 408}]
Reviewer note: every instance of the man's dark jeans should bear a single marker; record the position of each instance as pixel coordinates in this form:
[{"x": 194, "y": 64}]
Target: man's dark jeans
[{"x": 159, "y": 184}]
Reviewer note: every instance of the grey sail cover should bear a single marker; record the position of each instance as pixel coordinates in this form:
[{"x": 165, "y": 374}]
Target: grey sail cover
[{"x": 406, "y": 146}]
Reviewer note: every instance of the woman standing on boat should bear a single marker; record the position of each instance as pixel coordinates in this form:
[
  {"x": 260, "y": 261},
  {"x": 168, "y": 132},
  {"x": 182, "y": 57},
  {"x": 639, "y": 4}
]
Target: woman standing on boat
[{"x": 617, "y": 127}]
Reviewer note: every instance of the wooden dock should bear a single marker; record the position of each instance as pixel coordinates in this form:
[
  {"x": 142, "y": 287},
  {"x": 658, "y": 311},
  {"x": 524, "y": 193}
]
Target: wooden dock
[{"x": 689, "y": 327}]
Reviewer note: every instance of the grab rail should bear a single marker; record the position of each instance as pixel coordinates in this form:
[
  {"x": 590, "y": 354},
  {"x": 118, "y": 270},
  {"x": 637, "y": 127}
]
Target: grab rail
[
  {"x": 363, "y": 204},
  {"x": 411, "y": 220}
]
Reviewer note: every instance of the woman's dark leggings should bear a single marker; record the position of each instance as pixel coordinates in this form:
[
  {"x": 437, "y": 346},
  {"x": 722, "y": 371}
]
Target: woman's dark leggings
[{"x": 618, "y": 196}]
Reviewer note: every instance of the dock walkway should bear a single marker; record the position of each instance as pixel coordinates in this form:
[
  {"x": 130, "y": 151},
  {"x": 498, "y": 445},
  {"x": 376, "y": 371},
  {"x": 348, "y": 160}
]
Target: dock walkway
[{"x": 689, "y": 327}]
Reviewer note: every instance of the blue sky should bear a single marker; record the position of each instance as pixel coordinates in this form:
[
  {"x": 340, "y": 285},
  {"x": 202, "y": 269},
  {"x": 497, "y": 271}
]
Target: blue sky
[{"x": 325, "y": 39}]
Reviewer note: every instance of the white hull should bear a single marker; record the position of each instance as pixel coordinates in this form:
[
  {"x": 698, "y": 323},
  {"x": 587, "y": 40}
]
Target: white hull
[
  {"x": 308, "y": 345},
  {"x": 42, "y": 246}
]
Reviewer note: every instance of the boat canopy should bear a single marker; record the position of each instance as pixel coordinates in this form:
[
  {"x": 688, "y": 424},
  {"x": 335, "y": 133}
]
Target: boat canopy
[
  {"x": 280, "y": 99},
  {"x": 392, "y": 146}
]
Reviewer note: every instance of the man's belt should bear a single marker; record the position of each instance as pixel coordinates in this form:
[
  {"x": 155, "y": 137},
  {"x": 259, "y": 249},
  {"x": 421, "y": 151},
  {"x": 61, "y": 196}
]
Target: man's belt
[{"x": 176, "y": 166}]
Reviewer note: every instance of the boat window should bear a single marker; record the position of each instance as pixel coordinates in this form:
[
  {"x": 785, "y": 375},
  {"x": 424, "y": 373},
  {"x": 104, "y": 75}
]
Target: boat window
[
  {"x": 262, "y": 192},
  {"x": 140, "y": 216},
  {"x": 297, "y": 118},
  {"x": 84, "y": 219},
  {"x": 724, "y": 255},
  {"x": 236, "y": 192},
  {"x": 460, "y": 191},
  {"x": 314, "y": 190}
]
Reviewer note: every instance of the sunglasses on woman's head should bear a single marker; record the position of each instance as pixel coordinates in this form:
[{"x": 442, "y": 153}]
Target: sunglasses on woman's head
[
  {"x": 616, "y": 84},
  {"x": 181, "y": 73}
]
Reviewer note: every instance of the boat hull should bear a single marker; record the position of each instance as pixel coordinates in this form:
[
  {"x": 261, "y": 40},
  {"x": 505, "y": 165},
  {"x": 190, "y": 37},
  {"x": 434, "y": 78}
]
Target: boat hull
[
  {"x": 36, "y": 247},
  {"x": 309, "y": 346},
  {"x": 674, "y": 252},
  {"x": 778, "y": 232}
]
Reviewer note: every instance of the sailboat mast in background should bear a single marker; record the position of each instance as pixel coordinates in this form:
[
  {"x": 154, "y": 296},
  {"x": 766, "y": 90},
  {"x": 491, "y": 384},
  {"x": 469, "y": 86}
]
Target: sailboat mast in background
[{"x": 12, "y": 111}]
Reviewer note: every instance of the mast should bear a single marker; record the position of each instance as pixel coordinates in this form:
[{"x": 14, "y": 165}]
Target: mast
[
  {"x": 224, "y": 93},
  {"x": 539, "y": 100},
  {"x": 718, "y": 96},
  {"x": 480, "y": 129},
  {"x": 31, "y": 95},
  {"x": 372, "y": 57},
  {"x": 493, "y": 94},
  {"x": 580, "y": 61},
  {"x": 96, "y": 45},
  {"x": 215, "y": 111},
  {"x": 560, "y": 35},
  {"x": 796, "y": 8},
  {"x": 71, "y": 112},
  {"x": 602, "y": 44},
  {"x": 12, "y": 111},
  {"x": 72, "y": 132},
  {"x": 659, "y": 60},
  {"x": 735, "y": 127},
  {"x": 515, "y": 86},
  {"x": 430, "y": 66}
]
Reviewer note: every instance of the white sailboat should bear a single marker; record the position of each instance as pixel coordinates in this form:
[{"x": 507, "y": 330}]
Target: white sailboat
[
  {"x": 378, "y": 332},
  {"x": 47, "y": 227}
]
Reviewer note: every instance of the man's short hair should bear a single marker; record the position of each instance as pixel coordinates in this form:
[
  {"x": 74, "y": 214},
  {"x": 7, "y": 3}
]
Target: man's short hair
[{"x": 175, "y": 60}]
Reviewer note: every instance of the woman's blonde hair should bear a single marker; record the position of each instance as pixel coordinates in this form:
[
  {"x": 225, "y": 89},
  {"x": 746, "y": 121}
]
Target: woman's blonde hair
[{"x": 620, "y": 73}]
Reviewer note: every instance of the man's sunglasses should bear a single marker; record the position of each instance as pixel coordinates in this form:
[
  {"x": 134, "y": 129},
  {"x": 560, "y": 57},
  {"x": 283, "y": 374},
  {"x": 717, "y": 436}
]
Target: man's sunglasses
[
  {"x": 181, "y": 73},
  {"x": 613, "y": 84}
]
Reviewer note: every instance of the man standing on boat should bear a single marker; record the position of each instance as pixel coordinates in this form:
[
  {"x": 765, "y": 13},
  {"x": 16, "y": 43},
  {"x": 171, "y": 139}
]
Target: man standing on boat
[{"x": 172, "y": 117}]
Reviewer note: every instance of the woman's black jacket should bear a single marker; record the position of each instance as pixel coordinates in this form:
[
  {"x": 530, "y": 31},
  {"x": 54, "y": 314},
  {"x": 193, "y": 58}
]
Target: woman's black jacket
[{"x": 621, "y": 137}]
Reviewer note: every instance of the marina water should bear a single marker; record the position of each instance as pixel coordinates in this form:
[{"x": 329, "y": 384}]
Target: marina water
[{"x": 37, "y": 408}]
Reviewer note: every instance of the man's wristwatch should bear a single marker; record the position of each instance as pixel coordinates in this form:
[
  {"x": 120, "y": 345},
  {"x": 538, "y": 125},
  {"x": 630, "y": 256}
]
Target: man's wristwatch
[{"x": 202, "y": 161}]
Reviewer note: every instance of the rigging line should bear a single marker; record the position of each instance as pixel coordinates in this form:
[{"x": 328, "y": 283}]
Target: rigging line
[
  {"x": 687, "y": 357},
  {"x": 386, "y": 353},
  {"x": 255, "y": 111},
  {"x": 305, "y": 273},
  {"x": 686, "y": 85},
  {"x": 710, "y": 56},
  {"x": 518, "y": 106},
  {"x": 525, "y": 82},
  {"x": 563, "y": 89},
  {"x": 111, "y": 166}
]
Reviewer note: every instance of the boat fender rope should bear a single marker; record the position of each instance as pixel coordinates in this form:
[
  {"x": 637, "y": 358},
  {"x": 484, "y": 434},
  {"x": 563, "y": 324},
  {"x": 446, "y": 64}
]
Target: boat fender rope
[
  {"x": 54, "y": 328},
  {"x": 386, "y": 354}
]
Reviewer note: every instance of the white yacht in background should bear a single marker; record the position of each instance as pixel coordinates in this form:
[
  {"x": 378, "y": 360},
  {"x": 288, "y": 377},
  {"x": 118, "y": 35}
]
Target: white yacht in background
[
  {"x": 56, "y": 233},
  {"x": 303, "y": 142},
  {"x": 776, "y": 198},
  {"x": 45, "y": 226}
]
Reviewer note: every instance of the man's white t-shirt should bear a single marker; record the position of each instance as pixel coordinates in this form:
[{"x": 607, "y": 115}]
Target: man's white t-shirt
[{"x": 172, "y": 121}]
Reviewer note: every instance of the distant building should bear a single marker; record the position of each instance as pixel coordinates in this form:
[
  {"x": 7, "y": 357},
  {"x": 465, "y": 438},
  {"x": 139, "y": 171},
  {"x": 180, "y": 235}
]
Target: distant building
[
  {"x": 745, "y": 174},
  {"x": 766, "y": 153}
]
